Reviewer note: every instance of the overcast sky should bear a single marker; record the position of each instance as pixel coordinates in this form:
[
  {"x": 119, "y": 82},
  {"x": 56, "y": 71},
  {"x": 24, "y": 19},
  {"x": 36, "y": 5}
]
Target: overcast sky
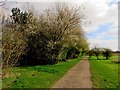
[{"x": 102, "y": 16}]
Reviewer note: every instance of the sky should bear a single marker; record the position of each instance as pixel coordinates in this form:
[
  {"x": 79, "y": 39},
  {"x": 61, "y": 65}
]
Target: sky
[{"x": 101, "y": 17}]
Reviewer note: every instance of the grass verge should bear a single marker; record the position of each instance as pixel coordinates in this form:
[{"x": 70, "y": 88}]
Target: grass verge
[
  {"x": 37, "y": 76},
  {"x": 104, "y": 72}
]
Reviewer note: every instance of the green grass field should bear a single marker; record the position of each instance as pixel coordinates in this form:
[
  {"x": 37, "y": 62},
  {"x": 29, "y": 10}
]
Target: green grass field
[
  {"x": 104, "y": 72},
  {"x": 37, "y": 76}
]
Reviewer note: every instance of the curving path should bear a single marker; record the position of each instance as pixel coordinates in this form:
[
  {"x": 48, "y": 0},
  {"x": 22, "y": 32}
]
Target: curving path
[{"x": 78, "y": 77}]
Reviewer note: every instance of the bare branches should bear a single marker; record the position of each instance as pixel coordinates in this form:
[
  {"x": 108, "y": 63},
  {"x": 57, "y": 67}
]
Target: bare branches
[{"x": 62, "y": 19}]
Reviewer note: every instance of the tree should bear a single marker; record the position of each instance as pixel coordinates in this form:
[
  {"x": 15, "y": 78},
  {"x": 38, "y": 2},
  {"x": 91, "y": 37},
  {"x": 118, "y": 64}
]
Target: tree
[
  {"x": 91, "y": 52},
  {"x": 107, "y": 52},
  {"x": 54, "y": 26},
  {"x": 97, "y": 51},
  {"x": 14, "y": 47},
  {"x": 16, "y": 36},
  {"x": 22, "y": 17},
  {"x": 75, "y": 39},
  {"x": 72, "y": 53},
  {"x": 44, "y": 38},
  {"x": 84, "y": 46}
]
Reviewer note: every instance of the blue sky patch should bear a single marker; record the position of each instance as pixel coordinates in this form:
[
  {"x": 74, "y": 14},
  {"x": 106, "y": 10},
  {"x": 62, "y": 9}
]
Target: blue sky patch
[{"x": 102, "y": 28}]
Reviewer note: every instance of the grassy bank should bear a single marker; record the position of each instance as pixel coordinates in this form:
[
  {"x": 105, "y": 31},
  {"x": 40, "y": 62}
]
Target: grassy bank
[
  {"x": 37, "y": 76},
  {"x": 104, "y": 72}
]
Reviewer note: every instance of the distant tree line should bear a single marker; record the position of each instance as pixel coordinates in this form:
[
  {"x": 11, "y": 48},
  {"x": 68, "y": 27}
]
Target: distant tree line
[{"x": 97, "y": 51}]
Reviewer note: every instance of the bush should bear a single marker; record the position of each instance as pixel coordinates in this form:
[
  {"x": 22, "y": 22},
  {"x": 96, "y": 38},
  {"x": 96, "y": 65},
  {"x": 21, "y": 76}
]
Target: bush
[
  {"x": 40, "y": 51},
  {"x": 14, "y": 47},
  {"x": 63, "y": 54},
  {"x": 72, "y": 53}
]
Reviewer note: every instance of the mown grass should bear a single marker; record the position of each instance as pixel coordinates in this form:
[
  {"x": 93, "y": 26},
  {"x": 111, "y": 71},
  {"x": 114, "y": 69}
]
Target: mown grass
[
  {"x": 37, "y": 76},
  {"x": 104, "y": 72}
]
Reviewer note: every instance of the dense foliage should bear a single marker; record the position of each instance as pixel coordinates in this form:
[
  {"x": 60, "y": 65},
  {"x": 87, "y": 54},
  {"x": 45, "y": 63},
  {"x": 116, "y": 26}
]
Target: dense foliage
[
  {"x": 97, "y": 51},
  {"x": 14, "y": 45},
  {"x": 107, "y": 52},
  {"x": 51, "y": 37}
]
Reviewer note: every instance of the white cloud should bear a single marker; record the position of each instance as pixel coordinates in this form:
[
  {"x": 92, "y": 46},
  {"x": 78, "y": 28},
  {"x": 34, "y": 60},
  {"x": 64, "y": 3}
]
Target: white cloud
[
  {"x": 98, "y": 13},
  {"x": 112, "y": 44},
  {"x": 112, "y": 32},
  {"x": 33, "y": 0}
]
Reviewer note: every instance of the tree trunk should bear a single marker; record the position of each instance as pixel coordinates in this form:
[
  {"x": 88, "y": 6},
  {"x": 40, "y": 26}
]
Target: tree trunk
[
  {"x": 97, "y": 57},
  {"x": 106, "y": 58}
]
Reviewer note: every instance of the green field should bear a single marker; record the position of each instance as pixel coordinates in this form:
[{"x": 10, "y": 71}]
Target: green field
[
  {"x": 104, "y": 72},
  {"x": 37, "y": 76}
]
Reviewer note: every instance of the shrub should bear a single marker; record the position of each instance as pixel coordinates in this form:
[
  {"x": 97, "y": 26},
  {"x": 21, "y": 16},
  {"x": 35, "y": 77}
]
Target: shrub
[
  {"x": 63, "y": 54},
  {"x": 73, "y": 53},
  {"x": 14, "y": 47},
  {"x": 15, "y": 37},
  {"x": 107, "y": 52},
  {"x": 40, "y": 50}
]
